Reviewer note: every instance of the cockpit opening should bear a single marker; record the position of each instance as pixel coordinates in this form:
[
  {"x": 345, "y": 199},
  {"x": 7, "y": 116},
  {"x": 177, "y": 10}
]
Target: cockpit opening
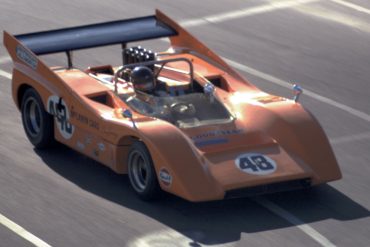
[{"x": 163, "y": 89}]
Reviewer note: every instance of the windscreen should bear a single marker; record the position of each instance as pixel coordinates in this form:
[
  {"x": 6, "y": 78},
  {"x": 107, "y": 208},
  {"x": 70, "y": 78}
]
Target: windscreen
[{"x": 184, "y": 111}]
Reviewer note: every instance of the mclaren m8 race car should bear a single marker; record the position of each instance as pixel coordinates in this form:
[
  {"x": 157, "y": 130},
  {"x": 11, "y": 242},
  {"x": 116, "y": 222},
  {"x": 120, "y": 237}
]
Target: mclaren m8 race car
[{"x": 182, "y": 120}]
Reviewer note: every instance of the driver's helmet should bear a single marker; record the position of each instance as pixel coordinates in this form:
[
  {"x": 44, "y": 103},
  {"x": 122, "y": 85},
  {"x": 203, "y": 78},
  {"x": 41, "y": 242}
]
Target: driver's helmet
[{"x": 142, "y": 79}]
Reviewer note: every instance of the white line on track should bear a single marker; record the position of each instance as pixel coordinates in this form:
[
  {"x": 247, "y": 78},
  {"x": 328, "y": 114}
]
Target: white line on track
[
  {"x": 5, "y": 74},
  {"x": 273, "y": 6},
  {"x": 350, "y": 138},
  {"x": 22, "y": 232},
  {"x": 170, "y": 237},
  {"x": 262, "y": 9},
  {"x": 307, "y": 92},
  {"x": 352, "y": 6},
  {"x": 323, "y": 241},
  {"x": 5, "y": 59},
  {"x": 327, "y": 14}
]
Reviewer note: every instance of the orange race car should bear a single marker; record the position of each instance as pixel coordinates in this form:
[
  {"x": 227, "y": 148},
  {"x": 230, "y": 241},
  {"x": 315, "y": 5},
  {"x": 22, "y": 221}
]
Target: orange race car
[{"x": 181, "y": 121}]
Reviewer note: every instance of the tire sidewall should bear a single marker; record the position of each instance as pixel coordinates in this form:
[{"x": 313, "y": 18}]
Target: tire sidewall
[
  {"x": 152, "y": 189},
  {"x": 45, "y": 136}
]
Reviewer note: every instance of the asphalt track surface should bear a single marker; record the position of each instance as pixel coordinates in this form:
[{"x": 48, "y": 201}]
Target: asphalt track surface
[{"x": 65, "y": 199}]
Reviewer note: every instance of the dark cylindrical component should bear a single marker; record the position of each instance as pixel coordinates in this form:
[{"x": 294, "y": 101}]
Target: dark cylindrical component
[
  {"x": 137, "y": 55},
  {"x": 126, "y": 56},
  {"x": 123, "y": 45},
  {"x": 143, "y": 50},
  {"x": 133, "y": 57},
  {"x": 129, "y": 55},
  {"x": 151, "y": 55},
  {"x": 141, "y": 57}
]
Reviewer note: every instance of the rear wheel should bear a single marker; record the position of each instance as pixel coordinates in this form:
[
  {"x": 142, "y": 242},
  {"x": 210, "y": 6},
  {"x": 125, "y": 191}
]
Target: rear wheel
[
  {"x": 141, "y": 172},
  {"x": 37, "y": 123}
]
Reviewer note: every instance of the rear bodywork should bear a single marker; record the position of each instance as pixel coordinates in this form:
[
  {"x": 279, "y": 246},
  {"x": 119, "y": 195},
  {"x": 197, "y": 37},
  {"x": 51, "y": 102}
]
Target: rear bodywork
[{"x": 267, "y": 143}]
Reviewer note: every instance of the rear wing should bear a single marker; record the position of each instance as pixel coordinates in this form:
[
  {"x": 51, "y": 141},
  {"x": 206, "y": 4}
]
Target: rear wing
[
  {"x": 101, "y": 34},
  {"x": 24, "y": 48}
]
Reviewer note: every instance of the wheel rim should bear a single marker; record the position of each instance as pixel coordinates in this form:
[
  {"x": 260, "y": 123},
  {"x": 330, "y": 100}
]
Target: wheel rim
[
  {"x": 32, "y": 114},
  {"x": 139, "y": 171}
]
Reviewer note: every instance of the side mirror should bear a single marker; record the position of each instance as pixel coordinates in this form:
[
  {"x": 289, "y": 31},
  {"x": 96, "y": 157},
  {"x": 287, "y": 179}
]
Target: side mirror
[
  {"x": 297, "y": 90},
  {"x": 128, "y": 114},
  {"x": 209, "y": 90}
]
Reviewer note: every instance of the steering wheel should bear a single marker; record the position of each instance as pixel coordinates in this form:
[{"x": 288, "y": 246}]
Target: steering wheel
[{"x": 183, "y": 108}]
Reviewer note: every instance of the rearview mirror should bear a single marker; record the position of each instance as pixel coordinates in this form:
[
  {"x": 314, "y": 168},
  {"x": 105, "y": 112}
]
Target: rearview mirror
[{"x": 127, "y": 113}]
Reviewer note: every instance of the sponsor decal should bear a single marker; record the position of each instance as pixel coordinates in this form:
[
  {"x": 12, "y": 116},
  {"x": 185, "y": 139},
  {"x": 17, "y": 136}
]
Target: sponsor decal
[
  {"x": 214, "y": 137},
  {"x": 80, "y": 145},
  {"x": 101, "y": 146},
  {"x": 165, "y": 177},
  {"x": 88, "y": 140},
  {"x": 203, "y": 143},
  {"x": 85, "y": 120},
  {"x": 255, "y": 164},
  {"x": 217, "y": 133},
  {"x": 26, "y": 57},
  {"x": 58, "y": 108}
]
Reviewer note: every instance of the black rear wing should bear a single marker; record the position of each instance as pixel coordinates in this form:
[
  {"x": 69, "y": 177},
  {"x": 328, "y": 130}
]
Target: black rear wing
[{"x": 101, "y": 34}]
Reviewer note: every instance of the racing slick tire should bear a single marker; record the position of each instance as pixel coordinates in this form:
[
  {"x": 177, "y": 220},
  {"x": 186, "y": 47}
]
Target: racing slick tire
[
  {"x": 141, "y": 172},
  {"x": 37, "y": 123}
]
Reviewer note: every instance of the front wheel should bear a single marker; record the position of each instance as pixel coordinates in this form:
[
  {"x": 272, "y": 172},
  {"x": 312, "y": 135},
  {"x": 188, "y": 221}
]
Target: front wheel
[
  {"x": 37, "y": 123},
  {"x": 141, "y": 172}
]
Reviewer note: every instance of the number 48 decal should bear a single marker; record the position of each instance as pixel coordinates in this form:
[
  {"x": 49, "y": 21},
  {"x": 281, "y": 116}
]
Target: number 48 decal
[
  {"x": 58, "y": 108},
  {"x": 256, "y": 164}
]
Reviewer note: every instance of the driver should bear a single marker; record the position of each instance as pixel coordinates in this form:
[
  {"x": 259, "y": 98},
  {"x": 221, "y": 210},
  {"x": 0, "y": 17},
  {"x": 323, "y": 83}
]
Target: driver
[
  {"x": 142, "y": 79},
  {"x": 145, "y": 102},
  {"x": 143, "y": 82}
]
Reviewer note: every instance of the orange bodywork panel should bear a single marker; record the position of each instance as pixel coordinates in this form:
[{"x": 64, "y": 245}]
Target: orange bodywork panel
[{"x": 266, "y": 140}]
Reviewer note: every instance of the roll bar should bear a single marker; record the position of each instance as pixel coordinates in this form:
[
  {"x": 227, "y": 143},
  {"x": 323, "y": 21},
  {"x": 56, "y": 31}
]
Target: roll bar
[{"x": 118, "y": 73}]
